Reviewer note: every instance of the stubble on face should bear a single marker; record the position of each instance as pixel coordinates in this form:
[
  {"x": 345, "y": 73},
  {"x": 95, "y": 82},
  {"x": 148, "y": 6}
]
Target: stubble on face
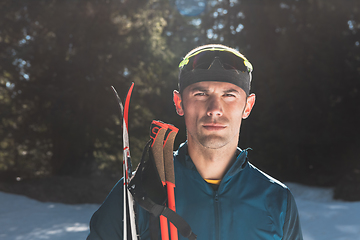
[
  {"x": 214, "y": 131},
  {"x": 210, "y": 140}
]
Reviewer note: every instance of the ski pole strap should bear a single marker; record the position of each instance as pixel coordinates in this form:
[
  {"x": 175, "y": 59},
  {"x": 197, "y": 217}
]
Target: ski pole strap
[
  {"x": 154, "y": 226},
  {"x": 182, "y": 226},
  {"x": 157, "y": 210}
]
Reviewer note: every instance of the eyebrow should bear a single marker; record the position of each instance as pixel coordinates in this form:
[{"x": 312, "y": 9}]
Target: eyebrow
[
  {"x": 231, "y": 90},
  {"x": 205, "y": 90},
  {"x": 201, "y": 89}
]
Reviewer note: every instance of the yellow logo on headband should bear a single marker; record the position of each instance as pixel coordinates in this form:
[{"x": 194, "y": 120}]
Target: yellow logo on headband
[
  {"x": 248, "y": 65},
  {"x": 184, "y": 62}
]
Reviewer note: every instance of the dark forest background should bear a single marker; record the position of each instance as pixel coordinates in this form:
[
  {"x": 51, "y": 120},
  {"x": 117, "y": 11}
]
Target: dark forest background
[{"x": 58, "y": 59}]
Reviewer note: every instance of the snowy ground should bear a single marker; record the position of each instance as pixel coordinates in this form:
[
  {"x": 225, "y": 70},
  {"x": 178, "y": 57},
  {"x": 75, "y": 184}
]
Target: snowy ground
[{"x": 24, "y": 219}]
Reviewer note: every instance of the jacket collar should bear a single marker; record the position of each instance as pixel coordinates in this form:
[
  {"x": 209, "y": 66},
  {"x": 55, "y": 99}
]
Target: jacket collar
[{"x": 239, "y": 164}]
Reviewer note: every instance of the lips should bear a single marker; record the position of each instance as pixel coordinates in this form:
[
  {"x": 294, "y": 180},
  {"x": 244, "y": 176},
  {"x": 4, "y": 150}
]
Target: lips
[{"x": 214, "y": 126}]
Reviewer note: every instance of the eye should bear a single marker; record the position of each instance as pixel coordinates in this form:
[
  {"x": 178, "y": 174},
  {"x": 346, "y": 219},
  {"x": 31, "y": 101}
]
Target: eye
[
  {"x": 199, "y": 94},
  {"x": 229, "y": 95}
]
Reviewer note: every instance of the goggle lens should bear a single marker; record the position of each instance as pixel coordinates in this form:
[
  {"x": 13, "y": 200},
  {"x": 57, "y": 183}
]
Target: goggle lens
[{"x": 204, "y": 59}]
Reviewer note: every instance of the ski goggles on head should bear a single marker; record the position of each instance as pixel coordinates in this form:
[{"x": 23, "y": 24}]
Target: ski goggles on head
[
  {"x": 215, "y": 63},
  {"x": 203, "y": 59}
]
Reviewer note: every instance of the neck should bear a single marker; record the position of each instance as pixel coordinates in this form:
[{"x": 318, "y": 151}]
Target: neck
[{"x": 212, "y": 163}]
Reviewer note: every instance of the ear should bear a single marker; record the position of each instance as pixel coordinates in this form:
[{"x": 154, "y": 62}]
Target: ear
[
  {"x": 250, "y": 101},
  {"x": 178, "y": 103}
]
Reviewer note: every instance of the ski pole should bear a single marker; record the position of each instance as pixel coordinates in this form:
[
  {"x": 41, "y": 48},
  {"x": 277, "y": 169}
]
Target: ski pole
[
  {"x": 157, "y": 133},
  {"x": 169, "y": 173}
]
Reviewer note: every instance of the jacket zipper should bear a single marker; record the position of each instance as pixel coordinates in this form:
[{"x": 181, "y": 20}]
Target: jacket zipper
[{"x": 217, "y": 220}]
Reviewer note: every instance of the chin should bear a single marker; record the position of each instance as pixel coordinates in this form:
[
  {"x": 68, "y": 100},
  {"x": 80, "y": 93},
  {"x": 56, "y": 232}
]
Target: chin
[{"x": 213, "y": 142}]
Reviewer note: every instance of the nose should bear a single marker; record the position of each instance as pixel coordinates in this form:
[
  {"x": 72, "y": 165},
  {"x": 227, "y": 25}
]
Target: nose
[{"x": 214, "y": 107}]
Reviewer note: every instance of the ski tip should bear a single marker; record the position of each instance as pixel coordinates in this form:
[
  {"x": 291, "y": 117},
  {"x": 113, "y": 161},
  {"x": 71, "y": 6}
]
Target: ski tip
[
  {"x": 127, "y": 103},
  {"x": 118, "y": 100},
  {"x": 131, "y": 87},
  {"x": 114, "y": 91}
]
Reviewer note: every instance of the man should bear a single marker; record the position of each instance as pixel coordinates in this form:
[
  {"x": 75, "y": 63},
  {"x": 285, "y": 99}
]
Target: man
[{"x": 218, "y": 192}]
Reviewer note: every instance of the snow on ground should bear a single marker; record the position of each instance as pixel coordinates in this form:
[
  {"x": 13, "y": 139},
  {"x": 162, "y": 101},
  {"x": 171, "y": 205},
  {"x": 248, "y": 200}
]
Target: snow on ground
[
  {"x": 21, "y": 218},
  {"x": 323, "y": 218}
]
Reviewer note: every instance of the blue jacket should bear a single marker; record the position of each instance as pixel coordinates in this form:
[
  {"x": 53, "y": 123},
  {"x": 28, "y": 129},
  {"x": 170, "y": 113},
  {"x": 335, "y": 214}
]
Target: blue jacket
[{"x": 248, "y": 205}]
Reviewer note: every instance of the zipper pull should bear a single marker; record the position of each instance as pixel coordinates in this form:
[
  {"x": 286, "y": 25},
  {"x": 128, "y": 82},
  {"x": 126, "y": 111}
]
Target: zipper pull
[{"x": 216, "y": 197}]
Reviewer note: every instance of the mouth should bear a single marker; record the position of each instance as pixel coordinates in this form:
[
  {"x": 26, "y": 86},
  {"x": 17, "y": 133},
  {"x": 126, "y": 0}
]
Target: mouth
[{"x": 214, "y": 126}]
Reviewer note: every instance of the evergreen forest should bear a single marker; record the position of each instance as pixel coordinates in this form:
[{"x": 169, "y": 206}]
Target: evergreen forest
[{"x": 59, "y": 59}]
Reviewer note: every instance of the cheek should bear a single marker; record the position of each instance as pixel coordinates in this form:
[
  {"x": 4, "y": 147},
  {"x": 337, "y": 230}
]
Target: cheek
[
  {"x": 239, "y": 122},
  {"x": 237, "y": 114},
  {"x": 191, "y": 115}
]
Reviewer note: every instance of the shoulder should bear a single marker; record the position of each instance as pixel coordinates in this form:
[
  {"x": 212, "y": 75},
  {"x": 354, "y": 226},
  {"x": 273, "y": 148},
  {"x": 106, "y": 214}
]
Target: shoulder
[
  {"x": 265, "y": 178},
  {"x": 274, "y": 193},
  {"x": 277, "y": 201}
]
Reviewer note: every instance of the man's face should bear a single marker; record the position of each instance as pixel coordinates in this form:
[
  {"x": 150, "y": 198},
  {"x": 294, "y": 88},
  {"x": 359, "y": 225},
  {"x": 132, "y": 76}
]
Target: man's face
[{"x": 213, "y": 112}]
